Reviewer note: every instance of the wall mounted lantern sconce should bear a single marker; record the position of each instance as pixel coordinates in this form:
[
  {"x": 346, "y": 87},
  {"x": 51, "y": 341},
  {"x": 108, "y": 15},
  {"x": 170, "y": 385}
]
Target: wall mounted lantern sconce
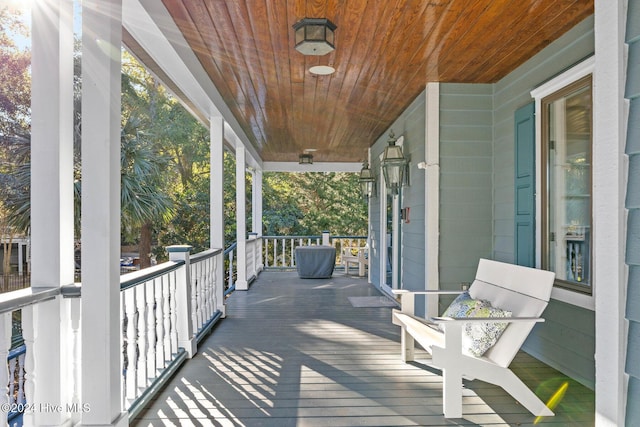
[
  {"x": 314, "y": 36},
  {"x": 367, "y": 181},
  {"x": 305, "y": 159},
  {"x": 394, "y": 164}
]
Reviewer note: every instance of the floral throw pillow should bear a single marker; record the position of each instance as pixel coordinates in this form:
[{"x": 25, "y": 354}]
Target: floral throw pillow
[
  {"x": 462, "y": 306},
  {"x": 480, "y": 337},
  {"x": 477, "y": 338}
]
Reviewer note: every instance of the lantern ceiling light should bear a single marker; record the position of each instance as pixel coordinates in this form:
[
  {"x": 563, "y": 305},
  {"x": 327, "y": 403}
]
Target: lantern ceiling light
[
  {"x": 367, "y": 181},
  {"x": 314, "y": 36},
  {"x": 393, "y": 164},
  {"x": 305, "y": 159}
]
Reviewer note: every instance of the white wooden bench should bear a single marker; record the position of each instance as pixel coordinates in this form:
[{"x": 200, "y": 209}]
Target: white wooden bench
[
  {"x": 523, "y": 291},
  {"x": 361, "y": 259}
]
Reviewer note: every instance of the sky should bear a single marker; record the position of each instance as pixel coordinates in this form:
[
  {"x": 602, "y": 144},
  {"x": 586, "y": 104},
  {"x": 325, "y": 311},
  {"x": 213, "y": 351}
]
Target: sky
[{"x": 24, "y": 8}]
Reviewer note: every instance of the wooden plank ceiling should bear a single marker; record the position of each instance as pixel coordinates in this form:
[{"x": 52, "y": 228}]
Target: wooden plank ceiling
[{"x": 386, "y": 51}]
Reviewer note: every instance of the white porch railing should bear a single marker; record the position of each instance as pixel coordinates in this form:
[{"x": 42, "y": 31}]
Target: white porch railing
[
  {"x": 231, "y": 268},
  {"x": 254, "y": 256},
  {"x": 164, "y": 312},
  {"x": 279, "y": 251},
  {"x": 181, "y": 301}
]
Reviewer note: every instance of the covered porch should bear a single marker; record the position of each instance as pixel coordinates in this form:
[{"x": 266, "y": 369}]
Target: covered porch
[
  {"x": 336, "y": 364},
  {"x": 320, "y": 352}
]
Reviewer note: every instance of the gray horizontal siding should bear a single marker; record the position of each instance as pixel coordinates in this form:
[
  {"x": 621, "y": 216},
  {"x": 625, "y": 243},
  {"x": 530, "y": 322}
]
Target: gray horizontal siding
[
  {"x": 466, "y": 179},
  {"x": 511, "y": 93},
  {"x": 411, "y": 125},
  {"x": 632, "y": 203},
  {"x": 552, "y": 342},
  {"x": 566, "y": 332}
]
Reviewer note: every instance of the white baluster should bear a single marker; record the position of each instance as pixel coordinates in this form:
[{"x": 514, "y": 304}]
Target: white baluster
[
  {"x": 275, "y": 250},
  {"x": 174, "y": 315},
  {"x": 5, "y": 344},
  {"x": 201, "y": 296},
  {"x": 122, "y": 351},
  {"x": 74, "y": 313},
  {"x": 151, "y": 329},
  {"x": 131, "y": 335},
  {"x": 197, "y": 288},
  {"x": 194, "y": 298},
  {"x": 214, "y": 285},
  {"x": 230, "y": 269},
  {"x": 167, "y": 317},
  {"x": 29, "y": 336},
  {"x": 13, "y": 370},
  {"x": 21, "y": 398},
  {"x": 141, "y": 332},
  {"x": 157, "y": 283},
  {"x": 291, "y": 251},
  {"x": 210, "y": 278},
  {"x": 204, "y": 286}
]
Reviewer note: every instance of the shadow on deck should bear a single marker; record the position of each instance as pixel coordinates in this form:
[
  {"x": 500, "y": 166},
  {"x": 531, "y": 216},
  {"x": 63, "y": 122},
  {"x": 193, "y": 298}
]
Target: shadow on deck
[{"x": 296, "y": 352}]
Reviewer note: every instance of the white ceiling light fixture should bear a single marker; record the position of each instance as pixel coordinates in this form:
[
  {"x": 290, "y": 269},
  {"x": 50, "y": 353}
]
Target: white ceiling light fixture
[{"x": 322, "y": 70}]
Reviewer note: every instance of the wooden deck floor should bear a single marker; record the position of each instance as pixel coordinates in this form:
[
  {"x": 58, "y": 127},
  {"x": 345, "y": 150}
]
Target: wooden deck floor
[{"x": 295, "y": 352}]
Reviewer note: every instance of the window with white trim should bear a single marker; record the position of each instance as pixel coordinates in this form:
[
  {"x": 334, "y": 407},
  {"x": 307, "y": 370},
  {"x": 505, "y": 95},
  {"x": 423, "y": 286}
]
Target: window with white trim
[{"x": 567, "y": 233}]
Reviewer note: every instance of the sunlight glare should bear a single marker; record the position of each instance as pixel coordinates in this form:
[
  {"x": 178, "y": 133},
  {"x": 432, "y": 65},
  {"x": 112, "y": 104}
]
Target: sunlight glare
[
  {"x": 555, "y": 399},
  {"x": 21, "y": 5}
]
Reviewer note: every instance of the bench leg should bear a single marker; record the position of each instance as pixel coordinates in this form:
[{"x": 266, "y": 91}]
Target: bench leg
[
  {"x": 451, "y": 361},
  {"x": 452, "y": 393},
  {"x": 407, "y": 346}
]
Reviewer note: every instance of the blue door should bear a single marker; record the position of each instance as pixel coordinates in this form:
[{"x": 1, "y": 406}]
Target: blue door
[{"x": 525, "y": 221}]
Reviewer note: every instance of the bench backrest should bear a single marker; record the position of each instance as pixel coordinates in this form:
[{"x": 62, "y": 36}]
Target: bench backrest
[{"x": 522, "y": 290}]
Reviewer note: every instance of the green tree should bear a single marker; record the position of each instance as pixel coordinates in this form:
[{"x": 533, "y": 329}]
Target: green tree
[
  {"x": 15, "y": 102},
  {"x": 145, "y": 175},
  {"x": 309, "y": 203},
  {"x": 15, "y": 87}
]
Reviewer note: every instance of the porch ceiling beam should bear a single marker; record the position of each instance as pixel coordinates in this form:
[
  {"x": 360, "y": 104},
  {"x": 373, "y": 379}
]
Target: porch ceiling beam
[{"x": 315, "y": 167}]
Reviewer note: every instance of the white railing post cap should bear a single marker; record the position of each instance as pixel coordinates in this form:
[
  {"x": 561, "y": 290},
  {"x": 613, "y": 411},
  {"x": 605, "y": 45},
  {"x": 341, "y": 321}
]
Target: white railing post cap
[{"x": 179, "y": 248}]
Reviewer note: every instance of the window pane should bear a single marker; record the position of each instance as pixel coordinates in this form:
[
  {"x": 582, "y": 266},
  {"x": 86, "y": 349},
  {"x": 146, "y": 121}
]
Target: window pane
[{"x": 569, "y": 187}]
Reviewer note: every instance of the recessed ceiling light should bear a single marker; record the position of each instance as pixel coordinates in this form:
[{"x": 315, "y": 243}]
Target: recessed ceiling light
[{"x": 322, "y": 70}]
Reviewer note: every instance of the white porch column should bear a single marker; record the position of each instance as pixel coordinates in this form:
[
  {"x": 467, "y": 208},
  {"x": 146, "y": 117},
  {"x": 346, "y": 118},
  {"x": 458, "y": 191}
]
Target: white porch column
[
  {"x": 432, "y": 195},
  {"x": 101, "y": 352},
  {"x": 52, "y": 143},
  {"x": 20, "y": 259},
  {"x": 608, "y": 217},
  {"x": 256, "y": 216},
  {"x": 216, "y": 182},
  {"x": 241, "y": 219},
  {"x": 256, "y": 202},
  {"x": 51, "y": 196}
]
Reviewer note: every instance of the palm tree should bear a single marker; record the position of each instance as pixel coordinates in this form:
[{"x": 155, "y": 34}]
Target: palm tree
[{"x": 143, "y": 182}]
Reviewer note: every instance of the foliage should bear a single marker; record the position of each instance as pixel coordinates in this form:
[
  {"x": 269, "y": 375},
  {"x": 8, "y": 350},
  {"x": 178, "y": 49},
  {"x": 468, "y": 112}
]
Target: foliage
[
  {"x": 164, "y": 166},
  {"x": 312, "y": 202},
  {"x": 15, "y": 91},
  {"x": 15, "y": 103}
]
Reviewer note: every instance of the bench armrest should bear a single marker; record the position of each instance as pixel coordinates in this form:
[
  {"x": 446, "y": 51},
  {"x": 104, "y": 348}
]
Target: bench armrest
[
  {"x": 427, "y": 292},
  {"x": 442, "y": 320},
  {"x": 407, "y": 298}
]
